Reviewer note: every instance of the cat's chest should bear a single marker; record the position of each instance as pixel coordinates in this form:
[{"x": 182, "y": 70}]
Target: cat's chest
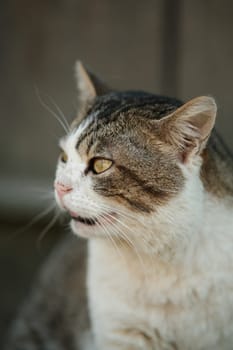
[
  {"x": 140, "y": 290},
  {"x": 140, "y": 280},
  {"x": 160, "y": 300}
]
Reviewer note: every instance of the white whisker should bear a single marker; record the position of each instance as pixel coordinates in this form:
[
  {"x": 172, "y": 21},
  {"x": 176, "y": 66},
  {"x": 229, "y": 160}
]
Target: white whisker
[
  {"x": 119, "y": 211},
  {"x": 126, "y": 238},
  {"x": 108, "y": 234},
  {"x": 60, "y": 121},
  {"x": 60, "y": 112},
  {"x": 47, "y": 228},
  {"x": 34, "y": 220}
]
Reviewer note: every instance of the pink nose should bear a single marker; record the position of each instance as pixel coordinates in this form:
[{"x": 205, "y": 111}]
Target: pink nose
[{"x": 62, "y": 189}]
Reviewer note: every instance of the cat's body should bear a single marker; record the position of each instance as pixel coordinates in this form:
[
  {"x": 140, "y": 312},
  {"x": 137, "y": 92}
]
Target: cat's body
[
  {"x": 156, "y": 203},
  {"x": 183, "y": 306},
  {"x": 54, "y": 316}
]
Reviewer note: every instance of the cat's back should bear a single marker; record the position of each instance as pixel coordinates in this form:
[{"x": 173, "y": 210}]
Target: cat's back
[
  {"x": 55, "y": 314},
  {"x": 217, "y": 168}
]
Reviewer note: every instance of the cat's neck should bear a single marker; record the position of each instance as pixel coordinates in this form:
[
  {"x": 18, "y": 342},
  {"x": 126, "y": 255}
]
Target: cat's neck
[
  {"x": 192, "y": 242},
  {"x": 209, "y": 233},
  {"x": 192, "y": 225}
]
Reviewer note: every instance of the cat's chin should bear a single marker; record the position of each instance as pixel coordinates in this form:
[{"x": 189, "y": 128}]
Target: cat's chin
[
  {"x": 83, "y": 229},
  {"x": 91, "y": 227}
]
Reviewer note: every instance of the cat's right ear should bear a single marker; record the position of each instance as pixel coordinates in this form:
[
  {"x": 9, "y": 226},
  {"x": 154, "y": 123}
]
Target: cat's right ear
[{"x": 88, "y": 85}]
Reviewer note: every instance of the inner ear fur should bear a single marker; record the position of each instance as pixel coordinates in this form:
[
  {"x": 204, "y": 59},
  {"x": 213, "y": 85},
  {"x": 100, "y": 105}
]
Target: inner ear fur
[
  {"x": 89, "y": 85},
  {"x": 188, "y": 128}
]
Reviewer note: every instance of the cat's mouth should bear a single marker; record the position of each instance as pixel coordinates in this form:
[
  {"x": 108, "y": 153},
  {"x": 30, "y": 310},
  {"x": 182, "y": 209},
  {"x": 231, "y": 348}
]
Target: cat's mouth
[
  {"x": 109, "y": 218},
  {"x": 85, "y": 226},
  {"x": 86, "y": 221}
]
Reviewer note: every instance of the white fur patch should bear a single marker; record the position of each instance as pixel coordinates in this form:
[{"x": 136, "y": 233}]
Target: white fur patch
[{"x": 82, "y": 200}]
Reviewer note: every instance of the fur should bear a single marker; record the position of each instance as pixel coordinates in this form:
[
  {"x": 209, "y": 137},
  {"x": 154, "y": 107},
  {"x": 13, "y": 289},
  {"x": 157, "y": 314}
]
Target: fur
[{"x": 159, "y": 221}]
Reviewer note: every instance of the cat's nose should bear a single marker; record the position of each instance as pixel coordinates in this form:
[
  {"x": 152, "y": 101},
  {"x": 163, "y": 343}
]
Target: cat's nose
[{"x": 62, "y": 189}]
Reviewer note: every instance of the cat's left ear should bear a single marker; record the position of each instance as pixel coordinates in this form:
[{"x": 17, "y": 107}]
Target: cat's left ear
[
  {"x": 189, "y": 127},
  {"x": 89, "y": 86}
]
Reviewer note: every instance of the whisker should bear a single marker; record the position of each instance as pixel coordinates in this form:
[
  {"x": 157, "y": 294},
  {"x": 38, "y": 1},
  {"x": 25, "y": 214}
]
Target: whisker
[
  {"x": 60, "y": 121},
  {"x": 108, "y": 233},
  {"x": 47, "y": 228},
  {"x": 120, "y": 222},
  {"x": 106, "y": 210},
  {"x": 42, "y": 193},
  {"x": 112, "y": 229},
  {"x": 117, "y": 230},
  {"x": 60, "y": 112},
  {"x": 127, "y": 239},
  {"x": 33, "y": 221},
  {"x": 95, "y": 211},
  {"x": 119, "y": 211},
  {"x": 123, "y": 234}
]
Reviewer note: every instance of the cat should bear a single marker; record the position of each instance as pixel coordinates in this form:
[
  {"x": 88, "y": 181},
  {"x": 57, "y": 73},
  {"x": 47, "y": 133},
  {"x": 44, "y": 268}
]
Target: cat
[{"x": 148, "y": 183}]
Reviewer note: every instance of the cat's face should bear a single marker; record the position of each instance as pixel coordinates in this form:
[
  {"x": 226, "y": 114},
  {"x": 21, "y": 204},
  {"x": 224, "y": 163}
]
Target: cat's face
[
  {"x": 112, "y": 170},
  {"x": 123, "y": 166}
]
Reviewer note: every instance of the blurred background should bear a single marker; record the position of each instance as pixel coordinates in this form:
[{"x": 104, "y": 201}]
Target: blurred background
[{"x": 173, "y": 47}]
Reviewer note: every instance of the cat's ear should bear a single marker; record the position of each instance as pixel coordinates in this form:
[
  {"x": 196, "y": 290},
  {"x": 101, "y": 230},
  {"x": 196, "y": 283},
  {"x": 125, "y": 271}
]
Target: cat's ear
[
  {"x": 189, "y": 127},
  {"x": 88, "y": 85}
]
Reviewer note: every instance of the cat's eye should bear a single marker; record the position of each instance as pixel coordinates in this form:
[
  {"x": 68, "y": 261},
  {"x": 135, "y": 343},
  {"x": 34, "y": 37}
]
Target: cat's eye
[
  {"x": 63, "y": 157},
  {"x": 99, "y": 165}
]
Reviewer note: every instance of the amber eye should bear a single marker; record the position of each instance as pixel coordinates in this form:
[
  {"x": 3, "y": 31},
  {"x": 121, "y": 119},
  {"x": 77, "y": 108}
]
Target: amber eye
[
  {"x": 63, "y": 157},
  {"x": 100, "y": 165}
]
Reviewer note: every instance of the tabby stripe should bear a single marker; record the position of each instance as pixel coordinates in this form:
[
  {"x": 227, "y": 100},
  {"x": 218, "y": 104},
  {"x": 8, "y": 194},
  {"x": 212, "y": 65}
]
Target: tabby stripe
[
  {"x": 148, "y": 189},
  {"x": 111, "y": 112},
  {"x": 105, "y": 118},
  {"x": 88, "y": 131},
  {"x": 90, "y": 144},
  {"x": 132, "y": 203},
  {"x": 218, "y": 145},
  {"x": 137, "y": 205}
]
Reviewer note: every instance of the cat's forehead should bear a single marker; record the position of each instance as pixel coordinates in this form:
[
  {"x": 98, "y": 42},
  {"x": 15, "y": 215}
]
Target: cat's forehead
[
  {"x": 116, "y": 103},
  {"x": 114, "y": 114},
  {"x": 70, "y": 140}
]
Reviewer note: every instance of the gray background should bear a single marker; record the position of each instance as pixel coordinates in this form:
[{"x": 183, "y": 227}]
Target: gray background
[{"x": 178, "y": 48}]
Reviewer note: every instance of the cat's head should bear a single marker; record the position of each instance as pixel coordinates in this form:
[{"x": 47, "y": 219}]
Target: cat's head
[{"x": 129, "y": 168}]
